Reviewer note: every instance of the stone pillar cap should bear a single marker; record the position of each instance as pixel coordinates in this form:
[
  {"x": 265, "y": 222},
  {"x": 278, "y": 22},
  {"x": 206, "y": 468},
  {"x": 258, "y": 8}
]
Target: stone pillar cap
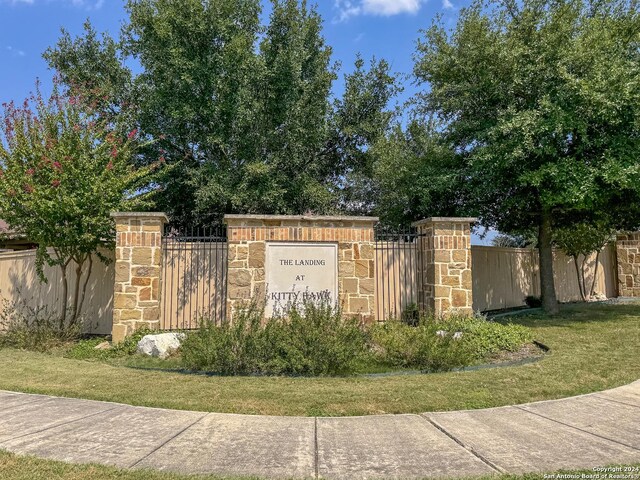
[
  {"x": 444, "y": 220},
  {"x": 321, "y": 218},
  {"x": 141, "y": 215}
]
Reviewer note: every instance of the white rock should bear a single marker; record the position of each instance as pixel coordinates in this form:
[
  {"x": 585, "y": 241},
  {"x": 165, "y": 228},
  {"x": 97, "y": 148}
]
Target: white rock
[
  {"x": 442, "y": 333},
  {"x": 457, "y": 335},
  {"x": 160, "y": 345}
]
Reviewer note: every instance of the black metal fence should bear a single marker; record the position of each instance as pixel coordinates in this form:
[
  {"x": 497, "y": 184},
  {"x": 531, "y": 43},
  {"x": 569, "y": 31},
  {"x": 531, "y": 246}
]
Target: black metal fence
[
  {"x": 398, "y": 276},
  {"x": 194, "y": 276}
]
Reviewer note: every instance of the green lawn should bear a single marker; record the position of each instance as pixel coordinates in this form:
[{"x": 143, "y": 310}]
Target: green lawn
[
  {"x": 17, "y": 467},
  {"x": 593, "y": 347}
]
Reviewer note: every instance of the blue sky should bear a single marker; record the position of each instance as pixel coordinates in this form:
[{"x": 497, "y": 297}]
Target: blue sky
[{"x": 382, "y": 28}]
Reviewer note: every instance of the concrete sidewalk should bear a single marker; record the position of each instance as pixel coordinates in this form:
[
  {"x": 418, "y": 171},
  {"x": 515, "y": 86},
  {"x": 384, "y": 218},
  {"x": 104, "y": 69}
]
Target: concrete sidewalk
[{"x": 580, "y": 432}]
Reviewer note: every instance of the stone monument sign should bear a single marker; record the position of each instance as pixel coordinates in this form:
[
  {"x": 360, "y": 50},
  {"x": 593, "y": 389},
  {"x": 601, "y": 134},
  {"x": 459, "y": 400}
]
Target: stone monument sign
[{"x": 298, "y": 272}]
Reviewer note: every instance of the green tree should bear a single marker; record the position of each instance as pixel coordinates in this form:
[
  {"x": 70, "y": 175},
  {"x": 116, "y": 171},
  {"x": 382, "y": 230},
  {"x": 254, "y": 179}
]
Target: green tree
[
  {"x": 61, "y": 174},
  {"x": 541, "y": 103},
  {"x": 582, "y": 240},
  {"x": 243, "y": 112},
  {"x": 94, "y": 67},
  {"x": 416, "y": 174},
  {"x": 360, "y": 119}
]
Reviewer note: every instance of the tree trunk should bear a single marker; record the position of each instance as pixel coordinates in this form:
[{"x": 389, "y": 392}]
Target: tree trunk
[
  {"x": 76, "y": 292},
  {"x": 65, "y": 294},
  {"x": 547, "y": 285},
  {"x": 581, "y": 284},
  {"x": 584, "y": 277},
  {"x": 84, "y": 285},
  {"x": 595, "y": 273}
]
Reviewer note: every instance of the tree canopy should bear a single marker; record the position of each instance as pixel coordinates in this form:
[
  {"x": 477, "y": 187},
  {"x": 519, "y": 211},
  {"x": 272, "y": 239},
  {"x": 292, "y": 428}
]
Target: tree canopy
[
  {"x": 244, "y": 112},
  {"x": 540, "y": 102},
  {"x": 63, "y": 170}
]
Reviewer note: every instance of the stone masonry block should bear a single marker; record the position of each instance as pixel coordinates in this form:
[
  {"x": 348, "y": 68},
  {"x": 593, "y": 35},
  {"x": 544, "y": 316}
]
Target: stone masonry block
[
  {"x": 130, "y": 314},
  {"x": 459, "y": 298},
  {"x": 367, "y": 286},
  {"x": 459, "y": 256},
  {"x": 442, "y": 256},
  {"x": 239, "y": 278},
  {"x": 142, "y": 256},
  {"x": 451, "y": 280},
  {"x": 346, "y": 269},
  {"x": 123, "y": 271},
  {"x": 350, "y": 285},
  {"x": 242, "y": 252},
  {"x": 124, "y": 300},
  {"x": 144, "y": 294},
  {"x": 119, "y": 332},
  {"x": 367, "y": 251},
  {"x": 257, "y": 254},
  {"x": 146, "y": 271},
  {"x": 358, "y": 305},
  {"x": 141, "y": 281},
  {"x": 151, "y": 313},
  {"x": 362, "y": 268}
]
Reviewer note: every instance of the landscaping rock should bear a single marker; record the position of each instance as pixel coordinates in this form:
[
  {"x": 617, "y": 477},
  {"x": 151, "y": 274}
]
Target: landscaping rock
[
  {"x": 161, "y": 345},
  {"x": 103, "y": 346}
]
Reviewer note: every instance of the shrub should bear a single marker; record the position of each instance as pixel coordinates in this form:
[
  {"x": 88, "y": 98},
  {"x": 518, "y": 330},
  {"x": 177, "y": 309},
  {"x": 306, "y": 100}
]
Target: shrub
[
  {"x": 227, "y": 349},
  {"x": 440, "y": 345},
  {"x": 411, "y": 315},
  {"x": 485, "y": 337},
  {"x": 313, "y": 340},
  {"x": 34, "y": 328},
  {"x": 401, "y": 345},
  {"x": 85, "y": 349},
  {"x": 533, "y": 302}
]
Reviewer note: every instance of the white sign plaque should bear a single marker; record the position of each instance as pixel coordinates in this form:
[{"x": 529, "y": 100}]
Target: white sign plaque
[{"x": 296, "y": 272}]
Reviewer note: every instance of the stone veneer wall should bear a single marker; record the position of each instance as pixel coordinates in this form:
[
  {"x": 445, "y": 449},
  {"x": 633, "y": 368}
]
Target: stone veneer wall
[
  {"x": 445, "y": 270},
  {"x": 136, "y": 301},
  {"x": 248, "y": 235},
  {"x": 628, "y": 255}
]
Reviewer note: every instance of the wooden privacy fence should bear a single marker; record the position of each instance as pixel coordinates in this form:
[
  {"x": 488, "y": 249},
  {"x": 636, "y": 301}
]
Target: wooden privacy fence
[
  {"x": 19, "y": 283},
  {"x": 503, "y": 277}
]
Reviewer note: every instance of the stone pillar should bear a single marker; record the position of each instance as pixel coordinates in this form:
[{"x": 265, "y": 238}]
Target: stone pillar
[
  {"x": 136, "y": 301},
  {"x": 444, "y": 269},
  {"x": 628, "y": 256},
  {"x": 249, "y": 235}
]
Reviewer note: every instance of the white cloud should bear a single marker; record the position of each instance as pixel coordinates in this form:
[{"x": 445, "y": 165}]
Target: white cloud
[
  {"x": 86, "y": 4},
  {"x": 14, "y": 52},
  {"x": 390, "y": 7},
  {"x": 447, "y": 5},
  {"x": 351, "y": 8}
]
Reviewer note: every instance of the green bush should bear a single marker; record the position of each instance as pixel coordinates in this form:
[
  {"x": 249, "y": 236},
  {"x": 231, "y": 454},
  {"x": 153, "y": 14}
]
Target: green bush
[
  {"x": 440, "y": 345},
  {"x": 34, "y": 328},
  {"x": 314, "y": 340},
  {"x": 317, "y": 341},
  {"x": 485, "y": 337},
  {"x": 85, "y": 349},
  {"x": 401, "y": 345}
]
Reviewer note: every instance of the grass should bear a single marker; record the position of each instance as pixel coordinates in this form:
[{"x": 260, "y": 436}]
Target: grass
[
  {"x": 593, "y": 347},
  {"x": 18, "y": 467},
  {"x": 15, "y": 467}
]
